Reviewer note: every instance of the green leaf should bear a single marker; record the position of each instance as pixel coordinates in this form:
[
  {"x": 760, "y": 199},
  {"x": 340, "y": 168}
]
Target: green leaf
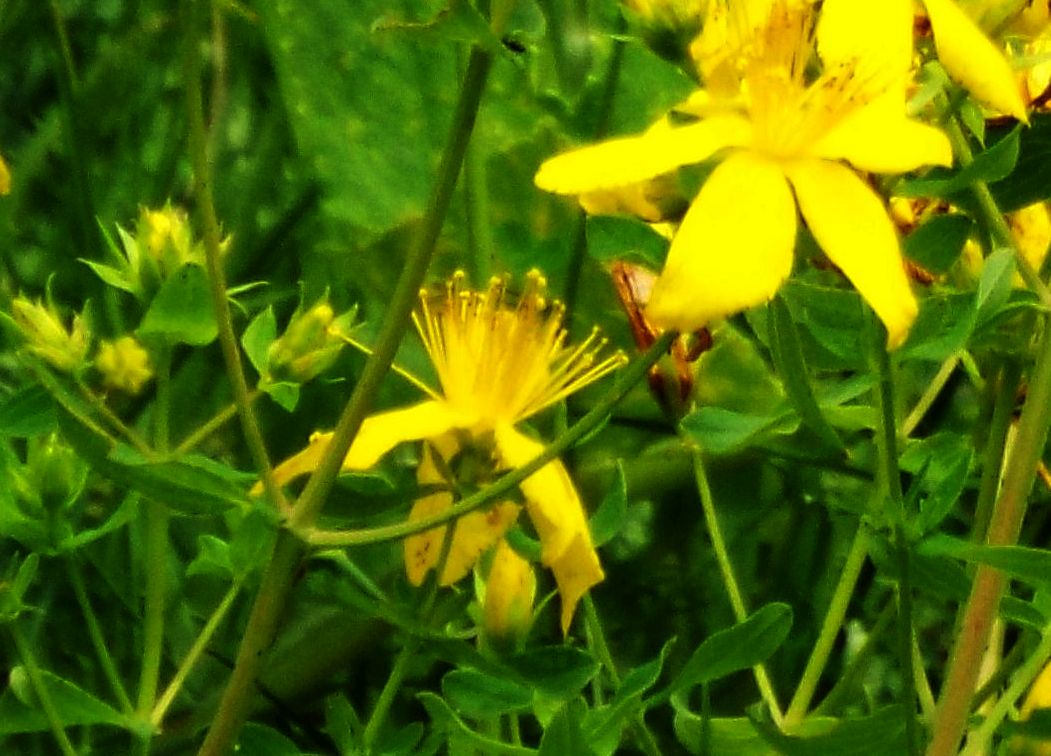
[
  {"x": 943, "y": 462},
  {"x": 613, "y": 237},
  {"x": 111, "y": 276},
  {"x": 259, "y": 740},
  {"x": 447, "y": 720},
  {"x": 373, "y": 140},
  {"x": 342, "y": 723},
  {"x": 718, "y": 735},
  {"x": 555, "y": 671},
  {"x": 564, "y": 734},
  {"x": 722, "y": 431},
  {"x": 612, "y": 513},
  {"x": 875, "y": 735},
  {"x": 791, "y": 366},
  {"x": 739, "y": 647},
  {"x": 833, "y": 319},
  {"x": 1027, "y": 564},
  {"x": 257, "y": 338},
  {"x": 994, "y": 287},
  {"x": 991, "y": 165},
  {"x": 479, "y": 695},
  {"x": 458, "y": 21},
  {"x": 182, "y": 310},
  {"x": 1028, "y": 182},
  {"x": 937, "y": 244},
  {"x": 30, "y": 412},
  {"x": 944, "y": 325},
  {"x": 74, "y": 705}
]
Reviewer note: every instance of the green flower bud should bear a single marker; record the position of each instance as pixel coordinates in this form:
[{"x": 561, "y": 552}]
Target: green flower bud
[
  {"x": 310, "y": 344},
  {"x": 47, "y": 337}
]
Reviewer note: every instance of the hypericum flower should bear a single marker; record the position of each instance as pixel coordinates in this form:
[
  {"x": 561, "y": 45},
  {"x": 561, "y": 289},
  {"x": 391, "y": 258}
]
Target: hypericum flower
[
  {"x": 784, "y": 134},
  {"x": 124, "y": 364},
  {"x": 498, "y": 364},
  {"x": 47, "y": 337},
  {"x": 972, "y": 59}
]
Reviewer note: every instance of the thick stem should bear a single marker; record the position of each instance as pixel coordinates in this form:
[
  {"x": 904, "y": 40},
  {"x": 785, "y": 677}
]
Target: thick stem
[
  {"x": 722, "y": 557},
  {"x": 288, "y": 551},
  {"x": 957, "y": 690},
  {"x": 155, "y": 553},
  {"x": 202, "y": 184},
  {"x": 826, "y": 639},
  {"x": 993, "y": 454}
]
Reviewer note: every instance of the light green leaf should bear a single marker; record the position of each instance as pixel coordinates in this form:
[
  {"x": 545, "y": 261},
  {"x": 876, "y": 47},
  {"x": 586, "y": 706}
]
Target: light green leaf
[
  {"x": 30, "y": 412},
  {"x": 182, "y": 310},
  {"x": 75, "y": 707}
]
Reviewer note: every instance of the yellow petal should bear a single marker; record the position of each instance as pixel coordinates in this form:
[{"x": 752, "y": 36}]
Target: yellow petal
[
  {"x": 475, "y": 532},
  {"x": 850, "y": 223},
  {"x": 880, "y": 33},
  {"x": 5, "y": 178},
  {"x": 378, "y": 434},
  {"x": 558, "y": 516},
  {"x": 509, "y": 593},
  {"x": 1031, "y": 229},
  {"x": 621, "y": 162},
  {"x": 973, "y": 60},
  {"x": 879, "y": 138},
  {"x": 733, "y": 249}
]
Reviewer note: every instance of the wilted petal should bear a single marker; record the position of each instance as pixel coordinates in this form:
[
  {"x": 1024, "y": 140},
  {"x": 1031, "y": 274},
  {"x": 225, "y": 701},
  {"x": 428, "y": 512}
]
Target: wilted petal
[
  {"x": 850, "y": 223},
  {"x": 558, "y": 516},
  {"x": 629, "y": 160},
  {"x": 879, "y": 138},
  {"x": 973, "y": 60},
  {"x": 733, "y": 249}
]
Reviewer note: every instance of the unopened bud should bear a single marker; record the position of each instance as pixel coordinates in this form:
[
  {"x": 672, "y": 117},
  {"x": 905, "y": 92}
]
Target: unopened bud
[
  {"x": 46, "y": 335},
  {"x": 309, "y": 345},
  {"x": 507, "y": 610},
  {"x": 124, "y": 365}
]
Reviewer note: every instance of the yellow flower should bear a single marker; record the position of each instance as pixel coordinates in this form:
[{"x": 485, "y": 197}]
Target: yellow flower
[
  {"x": 973, "y": 60},
  {"x": 498, "y": 364},
  {"x": 784, "y": 135},
  {"x": 124, "y": 364},
  {"x": 5, "y": 178}
]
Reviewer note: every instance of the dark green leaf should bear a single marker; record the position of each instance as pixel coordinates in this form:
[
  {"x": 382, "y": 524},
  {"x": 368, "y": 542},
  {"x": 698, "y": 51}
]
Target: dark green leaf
[
  {"x": 182, "y": 310},
  {"x": 613, "y": 512},
  {"x": 257, "y": 338},
  {"x": 943, "y": 327},
  {"x": 875, "y": 735},
  {"x": 613, "y": 238},
  {"x": 1030, "y": 565},
  {"x": 444, "y": 718},
  {"x": 993, "y": 164},
  {"x": 263, "y": 741},
  {"x": 936, "y": 244},
  {"x": 739, "y": 647},
  {"x": 564, "y": 734},
  {"x": 28, "y": 413},
  {"x": 74, "y": 705},
  {"x": 994, "y": 287},
  {"x": 479, "y": 695},
  {"x": 722, "y": 431},
  {"x": 555, "y": 671},
  {"x": 1028, "y": 182}
]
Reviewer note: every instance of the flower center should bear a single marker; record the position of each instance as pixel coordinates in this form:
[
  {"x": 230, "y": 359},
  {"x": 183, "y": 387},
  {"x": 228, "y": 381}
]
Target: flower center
[{"x": 502, "y": 362}]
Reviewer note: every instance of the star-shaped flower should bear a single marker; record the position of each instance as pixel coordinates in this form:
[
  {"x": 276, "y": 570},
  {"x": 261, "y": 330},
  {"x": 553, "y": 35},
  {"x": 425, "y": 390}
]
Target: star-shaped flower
[
  {"x": 498, "y": 363},
  {"x": 787, "y": 137}
]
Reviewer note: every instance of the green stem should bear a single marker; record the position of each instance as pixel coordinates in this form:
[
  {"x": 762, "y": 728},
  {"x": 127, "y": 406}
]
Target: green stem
[
  {"x": 98, "y": 641},
  {"x": 163, "y": 403},
  {"x": 980, "y": 610},
  {"x": 930, "y": 395},
  {"x": 597, "y": 639},
  {"x": 155, "y": 555},
  {"x": 202, "y": 184},
  {"x": 981, "y": 737},
  {"x": 193, "y": 655},
  {"x": 887, "y": 448},
  {"x": 826, "y": 638},
  {"x": 36, "y": 679},
  {"x": 476, "y": 199},
  {"x": 114, "y": 421},
  {"x": 626, "y": 379},
  {"x": 722, "y": 556},
  {"x": 994, "y": 452},
  {"x": 830, "y": 704},
  {"x": 288, "y": 550},
  {"x": 212, "y": 425}
]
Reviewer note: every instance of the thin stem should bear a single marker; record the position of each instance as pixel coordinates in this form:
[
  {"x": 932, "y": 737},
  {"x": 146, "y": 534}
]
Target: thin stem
[
  {"x": 980, "y": 738},
  {"x": 626, "y": 379},
  {"x": 98, "y": 641},
  {"x": 163, "y": 402},
  {"x": 957, "y": 690},
  {"x": 930, "y": 395},
  {"x": 155, "y": 555},
  {"x": 193, "y": 655},
  {"x": 129, "y": 433},
  {"x": 922, "y": 684},
  {"x": 837, "y": 611},
  {"x": 994, "y": 452},
  {"x": 202, "y": 183},
  {"x": 722, "y": 557},
  {"x": 597, "y": 640},
  {"x": 212, "y": 425},
  {"x": 856, "y": 665},
  {"x": 887, "y": 448},
  {"x": 288, "y": 550},
  {"x": 36, "y": 679}
]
